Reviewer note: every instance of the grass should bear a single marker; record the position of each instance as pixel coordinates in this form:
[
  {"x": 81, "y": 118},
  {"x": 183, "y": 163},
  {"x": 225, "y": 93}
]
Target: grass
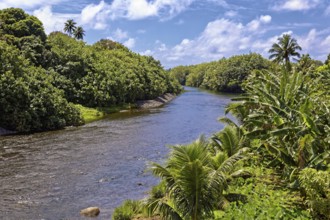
[{"x": 94, "y": 114}]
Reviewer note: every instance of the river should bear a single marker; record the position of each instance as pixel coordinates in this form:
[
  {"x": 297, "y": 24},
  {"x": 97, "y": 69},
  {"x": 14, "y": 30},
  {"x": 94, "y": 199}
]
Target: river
[{"x": 53, "y": 175}]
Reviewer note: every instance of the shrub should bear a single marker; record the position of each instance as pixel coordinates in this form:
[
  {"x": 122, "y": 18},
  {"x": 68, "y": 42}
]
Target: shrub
[
  {"x": 127, "y": 210},
  {"x": 316, "y": 187}
]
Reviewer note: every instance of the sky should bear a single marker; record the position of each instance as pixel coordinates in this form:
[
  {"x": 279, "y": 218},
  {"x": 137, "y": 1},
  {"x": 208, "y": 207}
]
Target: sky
[{"x": 185, "y": 32}]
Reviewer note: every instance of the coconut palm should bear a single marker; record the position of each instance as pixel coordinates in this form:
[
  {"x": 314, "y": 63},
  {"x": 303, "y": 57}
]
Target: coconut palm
[
  {"x": 70, "y": 26},
  {"x": 79, "y": 33},
  {"x": 194, "y": 182},
  {"x": 285, "y": 48}
]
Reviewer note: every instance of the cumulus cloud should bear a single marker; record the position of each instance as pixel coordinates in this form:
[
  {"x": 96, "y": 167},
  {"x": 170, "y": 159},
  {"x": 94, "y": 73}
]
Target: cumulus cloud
[
  {"x": 297, "y": 5},
  {"x": 231, "y": 14},
  {"x": 52, "y": 21},
  {"x": 139, "y": 9},
  {"x": 147, "y": 53},
  {"x": 95, "y": 16},
  {"x": 130, "y": 43},
  {"x": 221, "y": 37},
  {"x": 123, "y": 37},
  {"x": 225, "y": 37},
  {"x": 27, "y": 4},
  {"x": 120, "y": 34}
]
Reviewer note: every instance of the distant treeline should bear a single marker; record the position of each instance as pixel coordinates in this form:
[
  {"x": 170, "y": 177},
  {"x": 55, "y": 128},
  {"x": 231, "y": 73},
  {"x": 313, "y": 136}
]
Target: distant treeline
[
  {"x": 228, "y": 74},
  {"x": 42, "y": 76}
]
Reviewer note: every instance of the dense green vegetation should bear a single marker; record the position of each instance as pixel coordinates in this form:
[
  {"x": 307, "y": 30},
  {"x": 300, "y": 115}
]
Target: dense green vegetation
[
  {"x": 41, "y": 76},
  {"x": 274, "y": 164},
  {"x": 225, "y": 75}
]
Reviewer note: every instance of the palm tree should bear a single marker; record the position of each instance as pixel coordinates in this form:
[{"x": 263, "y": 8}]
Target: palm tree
[
  {"x": 79, "y": 33},
  {"x": 194, "y": 182},
  {"x": 70, "y": 26},
  {"x": 285, "y": 48}
]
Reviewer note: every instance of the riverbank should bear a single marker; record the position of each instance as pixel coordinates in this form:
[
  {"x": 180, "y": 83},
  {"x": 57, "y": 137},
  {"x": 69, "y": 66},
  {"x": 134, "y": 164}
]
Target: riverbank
[
  {"x": 154, "y": 103},
  {"x": 102, "y": 163},
  {"x": 94, "y": 114}
]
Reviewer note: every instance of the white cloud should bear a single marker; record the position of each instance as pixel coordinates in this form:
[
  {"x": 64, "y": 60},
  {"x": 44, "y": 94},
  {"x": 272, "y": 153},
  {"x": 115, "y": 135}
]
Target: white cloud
[
  {"x": 265, "y": 19},
  {"x": 139, "y": 9},
  {"x": 315, "y": 41},
  {"x": 162, "y": 47},
  {"x": 221, "y": 37},
  {"x": 27, "y": 4},
  {"x": 231, "y": 14},
  {"x": 255, "y": 24},
  {"x": 123, "y": 37},
  {"x": 95, "y": 16},
  {"x": 147, "y": 53},
  {"x": 52, "y": 21},
  {"x": 327, "y": 11},
  {"x": 224, "y": 38},
  {"x": 120, "y": 34},
  {"x": 297, "y": 5},
  {"x": 130, "y": 43}
]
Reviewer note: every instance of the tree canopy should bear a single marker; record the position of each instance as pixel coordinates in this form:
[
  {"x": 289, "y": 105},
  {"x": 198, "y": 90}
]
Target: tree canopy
[
  {"x": 224, "y": 75},
  {"x": 42, "y": 76}
]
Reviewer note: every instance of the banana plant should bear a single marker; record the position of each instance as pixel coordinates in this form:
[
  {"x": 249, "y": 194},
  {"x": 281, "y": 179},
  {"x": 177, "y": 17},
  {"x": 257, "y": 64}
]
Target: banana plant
[{"x": 290, "y": 117}]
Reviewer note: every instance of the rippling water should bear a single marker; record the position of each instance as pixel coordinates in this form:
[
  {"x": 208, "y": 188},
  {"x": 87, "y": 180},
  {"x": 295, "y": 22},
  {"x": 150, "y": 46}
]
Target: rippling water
[{"x": 53, "y": 175}]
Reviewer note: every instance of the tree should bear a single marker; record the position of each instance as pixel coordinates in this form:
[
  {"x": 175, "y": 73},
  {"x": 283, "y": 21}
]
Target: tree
[
  {"x": 285, "y": 48},
  {"x": 28, "y": 101},
  {"x": 327, "y": 61},
  {"x": 194, "y": 181},
  {"x": 79, "y": 33},
  {"x": 70, "y": 26}
]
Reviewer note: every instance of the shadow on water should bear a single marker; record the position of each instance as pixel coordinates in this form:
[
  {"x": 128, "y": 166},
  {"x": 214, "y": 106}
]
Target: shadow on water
[{"x": 53, "y": 175}]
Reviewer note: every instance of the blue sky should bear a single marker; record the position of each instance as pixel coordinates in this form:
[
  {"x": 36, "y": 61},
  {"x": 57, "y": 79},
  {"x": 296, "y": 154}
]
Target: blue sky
[{"x": 182, "y": 32}]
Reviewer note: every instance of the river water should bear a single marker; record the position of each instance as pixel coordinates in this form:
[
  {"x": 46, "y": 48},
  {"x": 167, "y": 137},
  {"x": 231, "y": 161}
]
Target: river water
[{"x": 53, "y": 175}]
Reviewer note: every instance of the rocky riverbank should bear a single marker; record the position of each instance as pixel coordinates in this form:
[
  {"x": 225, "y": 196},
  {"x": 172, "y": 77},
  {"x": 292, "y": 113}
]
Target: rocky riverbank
[{"x": 154, "y": 103}]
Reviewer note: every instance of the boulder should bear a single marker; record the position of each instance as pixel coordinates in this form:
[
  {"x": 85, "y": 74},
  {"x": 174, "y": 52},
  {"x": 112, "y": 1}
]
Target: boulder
[{"x": 90, "y": 212}]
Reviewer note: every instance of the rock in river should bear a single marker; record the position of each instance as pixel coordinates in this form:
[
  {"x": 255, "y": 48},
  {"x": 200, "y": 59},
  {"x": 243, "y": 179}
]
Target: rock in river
[{"x": 90, "y": 212}]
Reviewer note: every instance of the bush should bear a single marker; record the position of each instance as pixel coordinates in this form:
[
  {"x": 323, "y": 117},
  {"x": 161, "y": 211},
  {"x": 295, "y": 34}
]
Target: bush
[
  {"x": 28, "y": 100},
  {"x": 127, "y": 210},
  {"x": 316, "y": 187}
]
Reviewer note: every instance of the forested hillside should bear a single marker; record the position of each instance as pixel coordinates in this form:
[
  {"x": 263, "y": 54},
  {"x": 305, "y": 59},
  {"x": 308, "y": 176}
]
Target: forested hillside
[{"x": 41, "y": 76}]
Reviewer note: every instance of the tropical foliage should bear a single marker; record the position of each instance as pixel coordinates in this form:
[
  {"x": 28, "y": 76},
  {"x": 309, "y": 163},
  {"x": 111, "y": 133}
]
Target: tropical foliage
[
  {"x": 40, "y": 75},
  {"x": 225, "y": 75},
  {"x": 290, "y": 118},
  {"x": 285, "y": 48},
  {"x": 316, "y": 188},
  {"x": 194, "y": 181},
  {"x": 284, "y": 121}
]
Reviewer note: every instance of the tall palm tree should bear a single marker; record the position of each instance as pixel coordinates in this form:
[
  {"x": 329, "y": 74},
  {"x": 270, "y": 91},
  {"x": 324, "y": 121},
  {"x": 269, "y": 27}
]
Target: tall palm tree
[
  {"x": 194, "y": 181},
  {"x": 70, "y": 26},
  {"x": 285, "y": 48},
  {"x": 79, "y": 33}
]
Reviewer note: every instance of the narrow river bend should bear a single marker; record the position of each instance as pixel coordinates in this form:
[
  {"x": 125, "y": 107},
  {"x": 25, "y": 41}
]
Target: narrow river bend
[{"x": 53, "y": 175}]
